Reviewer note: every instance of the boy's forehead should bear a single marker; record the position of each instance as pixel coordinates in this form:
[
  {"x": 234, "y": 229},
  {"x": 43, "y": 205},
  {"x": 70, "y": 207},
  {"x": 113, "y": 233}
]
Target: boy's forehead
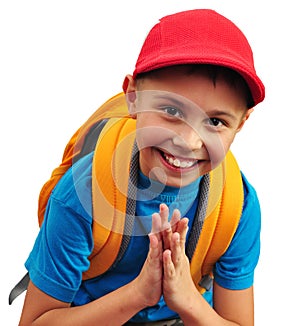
[{"x": 165, "y": 97}]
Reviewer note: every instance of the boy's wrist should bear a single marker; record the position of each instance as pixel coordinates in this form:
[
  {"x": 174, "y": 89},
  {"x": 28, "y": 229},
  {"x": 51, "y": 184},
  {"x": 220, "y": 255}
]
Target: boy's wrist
[
  {"x": 141, "y": 297},
  {"x": 189, "y": 305}
]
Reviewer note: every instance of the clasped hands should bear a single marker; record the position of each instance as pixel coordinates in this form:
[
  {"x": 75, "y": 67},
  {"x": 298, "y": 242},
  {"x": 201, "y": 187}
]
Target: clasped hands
[{"x": 166, "y": 270}]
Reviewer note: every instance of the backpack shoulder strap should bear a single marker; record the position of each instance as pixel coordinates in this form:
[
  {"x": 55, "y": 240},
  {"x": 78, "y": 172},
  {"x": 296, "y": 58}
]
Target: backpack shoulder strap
[
  {"x": 110, "y": 178},
  {"x": 223, "y": 211}
]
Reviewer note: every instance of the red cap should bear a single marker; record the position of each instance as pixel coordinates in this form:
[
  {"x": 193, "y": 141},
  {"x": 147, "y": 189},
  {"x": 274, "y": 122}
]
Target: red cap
[{"x": 200, "y": 36}]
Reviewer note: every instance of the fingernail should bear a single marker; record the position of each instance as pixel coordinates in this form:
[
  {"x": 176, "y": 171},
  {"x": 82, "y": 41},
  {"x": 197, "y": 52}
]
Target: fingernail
[{"x": 163, "y": 206}]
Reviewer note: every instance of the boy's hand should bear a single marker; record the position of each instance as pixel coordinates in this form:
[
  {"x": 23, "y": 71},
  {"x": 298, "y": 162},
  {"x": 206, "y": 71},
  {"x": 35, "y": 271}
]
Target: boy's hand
[
  {"x": 167, "y": 267},
  {"x": 150, "y": 278},
  {"x": 178, "y": 285}
]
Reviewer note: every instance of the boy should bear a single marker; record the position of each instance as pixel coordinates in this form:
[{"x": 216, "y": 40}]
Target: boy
[{"x": 193, "y": 88}]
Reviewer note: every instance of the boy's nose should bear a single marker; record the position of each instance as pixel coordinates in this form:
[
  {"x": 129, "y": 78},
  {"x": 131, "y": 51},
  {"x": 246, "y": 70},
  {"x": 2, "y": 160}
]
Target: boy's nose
[{"x": 188, "y": 139}]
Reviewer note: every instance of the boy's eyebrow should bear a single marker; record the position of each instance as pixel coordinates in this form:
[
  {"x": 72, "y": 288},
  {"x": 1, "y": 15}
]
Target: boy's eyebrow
[
  {"x": 170, "y": 98},
  {"x": 217, "y": 112}
]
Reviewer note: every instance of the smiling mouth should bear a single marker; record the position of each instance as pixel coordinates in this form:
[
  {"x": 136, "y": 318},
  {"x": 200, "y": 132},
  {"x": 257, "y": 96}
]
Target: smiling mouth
[{"x": 178, "y": 162}]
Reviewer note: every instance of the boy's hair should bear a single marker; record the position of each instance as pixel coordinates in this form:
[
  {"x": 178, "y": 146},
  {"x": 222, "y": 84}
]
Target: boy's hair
[{"x": 199, "y": 36}]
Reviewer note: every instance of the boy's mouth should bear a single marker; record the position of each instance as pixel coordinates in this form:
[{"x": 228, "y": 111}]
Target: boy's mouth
[{"x": 179, "y": 162}]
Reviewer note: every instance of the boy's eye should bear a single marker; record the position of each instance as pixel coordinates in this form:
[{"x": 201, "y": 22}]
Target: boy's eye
[
  {"x": 173, "y": 111},
  {"x": 215, "y": 122}
]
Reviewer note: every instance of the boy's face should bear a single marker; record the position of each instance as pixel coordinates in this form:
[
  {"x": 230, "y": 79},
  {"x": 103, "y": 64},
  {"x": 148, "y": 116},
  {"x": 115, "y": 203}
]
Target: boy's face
[{"x": 185, "y": 124}]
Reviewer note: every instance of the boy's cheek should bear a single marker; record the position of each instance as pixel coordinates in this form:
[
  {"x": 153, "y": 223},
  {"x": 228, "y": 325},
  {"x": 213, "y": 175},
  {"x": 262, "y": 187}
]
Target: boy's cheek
[
  {"x": 216, "y": 153},
  {"x": 153, "y": 136},
  {"x": 217, "y": 145}
]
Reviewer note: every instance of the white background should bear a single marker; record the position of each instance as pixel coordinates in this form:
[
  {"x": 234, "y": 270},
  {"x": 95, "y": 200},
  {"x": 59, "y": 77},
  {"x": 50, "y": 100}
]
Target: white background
[{"x": 60, "y": 60}]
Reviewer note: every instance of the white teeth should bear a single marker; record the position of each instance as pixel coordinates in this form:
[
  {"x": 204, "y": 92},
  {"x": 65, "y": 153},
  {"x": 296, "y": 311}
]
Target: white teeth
[{"x": 178, "y": 163}]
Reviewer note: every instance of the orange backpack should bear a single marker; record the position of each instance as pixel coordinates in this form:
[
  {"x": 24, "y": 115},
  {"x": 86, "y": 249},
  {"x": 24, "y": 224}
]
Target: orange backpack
[{"x": 108, "y": 129}]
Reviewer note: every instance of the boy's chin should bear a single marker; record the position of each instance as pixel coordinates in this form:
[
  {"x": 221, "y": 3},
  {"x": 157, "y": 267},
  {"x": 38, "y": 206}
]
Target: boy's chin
[{"x": 173, "y": 181}]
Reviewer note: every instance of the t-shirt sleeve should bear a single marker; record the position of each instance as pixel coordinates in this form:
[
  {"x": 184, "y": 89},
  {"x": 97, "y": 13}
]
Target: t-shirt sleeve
[
  {"x": 61, "y": 250},
  {"x": 235, "y": 269}
]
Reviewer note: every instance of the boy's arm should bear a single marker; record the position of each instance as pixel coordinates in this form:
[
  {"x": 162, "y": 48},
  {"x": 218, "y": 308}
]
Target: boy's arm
[
  {"x": 114, "y": 308},
  {"x": 237, "y": 305},
  {"x": 231, "y": 307}
]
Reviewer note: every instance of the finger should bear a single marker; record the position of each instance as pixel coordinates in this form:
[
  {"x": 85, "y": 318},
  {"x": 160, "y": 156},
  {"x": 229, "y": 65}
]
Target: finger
[
  {"x": 164, "y": 214},
  {"x": 182, "y": 229},
  {"x": 165, "y": 225},
  {"x": 155, "y": 249},
  {"x": 166, "y": 237},
  {"x": 156, "y": 223},
  {"x": 182, "y": 226},
  {"x": 169, "y": 268},
  {"x": 152, "y": 268},
  {"x": 176, "y": 248},
  {"x": 153, "y": 241},
  {"x": 176, "y": 216}
]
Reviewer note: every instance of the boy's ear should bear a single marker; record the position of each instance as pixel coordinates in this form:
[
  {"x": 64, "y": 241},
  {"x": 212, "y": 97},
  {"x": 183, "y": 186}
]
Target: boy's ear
[
  {"x": 245, "y": 118},
  {"x": 129, "y": 88}
]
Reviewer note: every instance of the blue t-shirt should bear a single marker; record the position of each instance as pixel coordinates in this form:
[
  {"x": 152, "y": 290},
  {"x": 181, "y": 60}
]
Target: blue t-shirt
[{"x": 64, "y": 243}]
